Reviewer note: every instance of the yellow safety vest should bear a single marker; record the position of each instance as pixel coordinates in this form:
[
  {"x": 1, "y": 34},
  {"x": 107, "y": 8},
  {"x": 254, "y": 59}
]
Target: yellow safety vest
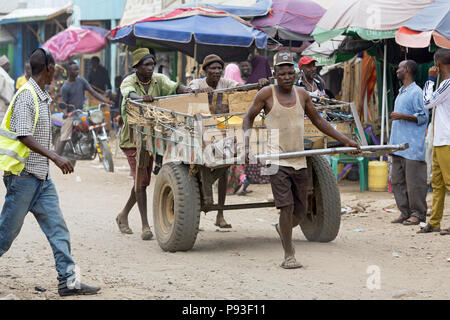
[{"x": 14, "y": 153}]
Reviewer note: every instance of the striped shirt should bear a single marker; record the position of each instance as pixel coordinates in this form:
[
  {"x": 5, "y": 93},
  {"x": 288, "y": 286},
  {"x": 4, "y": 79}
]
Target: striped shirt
[
  {"x": 441, "y": 100},
  {"x": 22, "y": 123}
]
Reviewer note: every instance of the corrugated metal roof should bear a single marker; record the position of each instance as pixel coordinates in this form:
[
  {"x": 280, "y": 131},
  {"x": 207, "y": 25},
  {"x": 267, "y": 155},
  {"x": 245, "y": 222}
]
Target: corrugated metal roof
[
  {"x": 33, "y": 14},
  {"x": 45, "y": 3}
]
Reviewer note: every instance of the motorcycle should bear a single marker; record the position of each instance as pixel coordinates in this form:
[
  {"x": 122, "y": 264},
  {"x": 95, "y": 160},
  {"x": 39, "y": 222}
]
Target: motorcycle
[{"x": 89, "y": 136}]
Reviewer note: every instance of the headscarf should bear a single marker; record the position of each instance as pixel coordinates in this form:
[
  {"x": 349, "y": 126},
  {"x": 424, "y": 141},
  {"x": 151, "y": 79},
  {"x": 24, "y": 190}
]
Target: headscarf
[
  {"x": 260, "y": 69},
  {"x": 233, "y": 72}
]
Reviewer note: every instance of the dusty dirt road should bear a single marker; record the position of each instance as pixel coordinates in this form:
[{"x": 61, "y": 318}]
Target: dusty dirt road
[{"x": 242, "y": 263}]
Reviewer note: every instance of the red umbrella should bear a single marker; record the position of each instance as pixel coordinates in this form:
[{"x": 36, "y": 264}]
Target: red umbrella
[{"x": 74, "y": 40}]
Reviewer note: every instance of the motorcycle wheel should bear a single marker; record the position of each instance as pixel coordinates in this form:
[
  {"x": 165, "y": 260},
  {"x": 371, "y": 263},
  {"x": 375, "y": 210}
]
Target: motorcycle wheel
[
  {"x": 105, "y": 155},
  {"x": 55, "y": 142}
]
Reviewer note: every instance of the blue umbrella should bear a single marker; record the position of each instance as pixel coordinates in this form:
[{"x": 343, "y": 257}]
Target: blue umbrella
[{"x": 196, "y": 32}]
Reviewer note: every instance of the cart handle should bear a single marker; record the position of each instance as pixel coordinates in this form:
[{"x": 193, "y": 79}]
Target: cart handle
[{"x": 390, "y": 148}]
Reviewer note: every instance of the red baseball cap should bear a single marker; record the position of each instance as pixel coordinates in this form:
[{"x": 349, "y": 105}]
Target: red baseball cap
[{"x": 305, "y": 60}]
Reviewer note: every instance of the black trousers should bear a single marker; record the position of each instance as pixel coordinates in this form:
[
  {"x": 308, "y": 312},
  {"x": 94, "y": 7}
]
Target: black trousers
[{"x": 409, "y": 184}]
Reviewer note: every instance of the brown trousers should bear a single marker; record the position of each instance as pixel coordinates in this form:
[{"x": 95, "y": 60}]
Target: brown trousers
[{"x": 409, "y": 184}]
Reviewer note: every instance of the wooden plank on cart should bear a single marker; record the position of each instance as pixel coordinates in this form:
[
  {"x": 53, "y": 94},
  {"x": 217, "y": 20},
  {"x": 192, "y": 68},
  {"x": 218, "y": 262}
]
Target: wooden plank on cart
[{"x": 187, "y": 103}]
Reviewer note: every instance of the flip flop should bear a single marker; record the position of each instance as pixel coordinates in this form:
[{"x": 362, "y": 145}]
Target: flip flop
[
  {"x": 290, "y": 263},
  {"x": 428, "y": 228},
  {"x": 147, "y": 234},
  {"x": 223, "y": 226},
  {"x": 409, "y": 222},
  {"x": 123, "y": 227}
]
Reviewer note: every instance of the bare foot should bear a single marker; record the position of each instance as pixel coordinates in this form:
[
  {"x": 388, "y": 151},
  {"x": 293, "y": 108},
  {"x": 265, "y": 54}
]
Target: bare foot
[
  {"x": 290, "y": 263},
  {"x": 221, "y": 223},
  {"x": 123, "y": 225},
  {"x": 146, "y": 233}
]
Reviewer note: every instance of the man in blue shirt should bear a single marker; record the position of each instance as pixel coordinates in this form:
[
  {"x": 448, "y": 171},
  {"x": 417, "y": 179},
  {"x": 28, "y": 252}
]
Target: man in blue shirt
[{"x": 409, "y": 169}]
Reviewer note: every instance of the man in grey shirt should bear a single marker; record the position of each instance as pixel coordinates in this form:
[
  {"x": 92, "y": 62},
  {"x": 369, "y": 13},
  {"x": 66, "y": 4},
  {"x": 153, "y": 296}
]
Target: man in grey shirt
[{"x": 73, "y": 95}]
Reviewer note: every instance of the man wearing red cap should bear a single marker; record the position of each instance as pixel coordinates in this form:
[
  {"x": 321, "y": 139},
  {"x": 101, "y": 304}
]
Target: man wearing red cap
[{"x": 309, "y": 79}]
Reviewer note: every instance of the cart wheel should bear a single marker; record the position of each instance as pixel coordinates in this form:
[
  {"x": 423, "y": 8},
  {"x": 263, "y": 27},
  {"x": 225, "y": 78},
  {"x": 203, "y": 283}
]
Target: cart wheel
[
  {"x": 176, "y": 208},
  {"x": 323, "y": 219}
]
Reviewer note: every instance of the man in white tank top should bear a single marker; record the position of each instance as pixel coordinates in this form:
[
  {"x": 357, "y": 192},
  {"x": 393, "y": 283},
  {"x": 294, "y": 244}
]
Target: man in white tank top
[{"x": 285, "y": 106}]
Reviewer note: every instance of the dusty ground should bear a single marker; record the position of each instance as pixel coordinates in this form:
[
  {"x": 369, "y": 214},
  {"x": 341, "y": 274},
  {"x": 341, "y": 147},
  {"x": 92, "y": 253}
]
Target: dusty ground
[{"x": 242, "y": 263}]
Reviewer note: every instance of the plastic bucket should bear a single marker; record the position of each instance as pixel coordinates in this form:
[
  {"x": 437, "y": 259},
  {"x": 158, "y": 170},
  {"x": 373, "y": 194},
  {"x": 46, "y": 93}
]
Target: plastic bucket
[{"x": 378, "y": 175}]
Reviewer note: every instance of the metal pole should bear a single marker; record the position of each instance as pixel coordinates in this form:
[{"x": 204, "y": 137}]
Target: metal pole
[
  {"x": 384, "y": 95},
  {"x": 366, "y": 107},
  {"x": 113, "y": 63},
  {"x": 315, "y": 152},
  {"x": 195, "y": 58}
]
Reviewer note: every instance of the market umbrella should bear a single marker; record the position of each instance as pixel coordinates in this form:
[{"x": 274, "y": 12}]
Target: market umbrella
[
  {"x": 327, "y": 52},
  {"x": 240, "y": 8},
  {"x": 290, "y": 19},
  {"x": 74, "y": 40},
  {"x": 338, "y": 49},
  {"x": 431, "y": 22},
  {"x": 196, "y": 32},
  {"x": 369, "y": 19}
]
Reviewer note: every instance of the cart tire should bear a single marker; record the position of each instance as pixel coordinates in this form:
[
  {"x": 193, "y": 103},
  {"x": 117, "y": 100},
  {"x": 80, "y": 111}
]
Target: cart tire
[
  {"x": 176, "y": 208},
  {"x": 323, "y": 218}
]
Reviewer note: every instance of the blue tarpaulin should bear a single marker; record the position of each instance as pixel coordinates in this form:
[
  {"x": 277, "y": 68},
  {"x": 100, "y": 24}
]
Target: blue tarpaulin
[{"x": 224, "y": 35}]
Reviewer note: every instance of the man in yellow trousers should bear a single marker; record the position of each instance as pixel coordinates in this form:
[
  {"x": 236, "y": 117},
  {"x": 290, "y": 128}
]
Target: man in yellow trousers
[{"x": 440, "y": 100}]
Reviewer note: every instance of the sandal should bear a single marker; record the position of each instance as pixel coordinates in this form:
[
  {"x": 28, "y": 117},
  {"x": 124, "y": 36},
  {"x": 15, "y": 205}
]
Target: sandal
[
  {"x": 445, "y": 232},
  {"x": 428, "y": 228},
  {"x": 411, "y": 221},
  {"x": 147, "y": 234},
  {"x": 123, "y": 227},
  {"x": 223, "y": 225},
  {"x": 290, "y": 263}
]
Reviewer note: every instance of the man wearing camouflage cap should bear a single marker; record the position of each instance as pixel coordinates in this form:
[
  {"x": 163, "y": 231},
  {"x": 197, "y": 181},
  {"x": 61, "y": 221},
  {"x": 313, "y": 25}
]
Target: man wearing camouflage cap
[{"x": 144, "y": 84}]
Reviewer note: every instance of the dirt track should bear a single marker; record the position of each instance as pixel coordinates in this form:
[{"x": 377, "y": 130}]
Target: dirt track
[{"x": 242, "y": 263}]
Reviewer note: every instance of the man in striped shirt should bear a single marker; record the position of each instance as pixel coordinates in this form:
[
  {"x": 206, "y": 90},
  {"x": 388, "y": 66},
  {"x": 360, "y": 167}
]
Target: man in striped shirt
[{"x": 440, "y": 101}]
